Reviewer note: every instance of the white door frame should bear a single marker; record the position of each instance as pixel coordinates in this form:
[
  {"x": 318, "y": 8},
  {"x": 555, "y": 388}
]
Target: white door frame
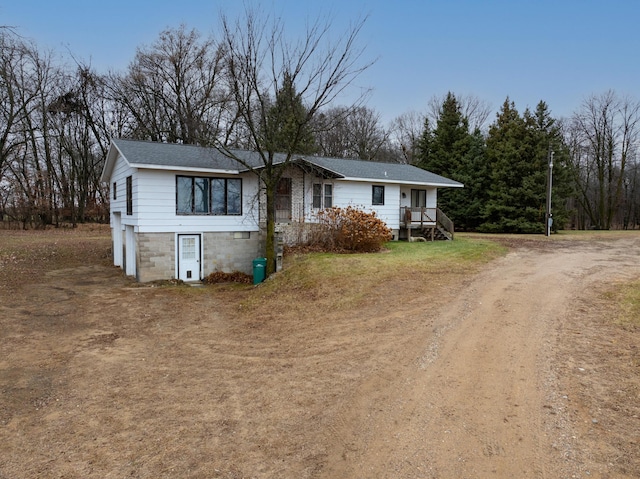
[
  {"x": 130, "y": 250},
  {"x": 116, "y": 236},
  {"x": 191, "y": 271}
]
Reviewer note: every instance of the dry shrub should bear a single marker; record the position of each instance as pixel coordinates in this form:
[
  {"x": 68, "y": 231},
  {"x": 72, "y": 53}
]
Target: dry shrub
[
  {"x": 235, "y": 277},
  {"x": 350, "y": 229}
]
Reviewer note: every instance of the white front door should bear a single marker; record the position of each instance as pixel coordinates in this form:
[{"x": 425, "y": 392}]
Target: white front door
[{"x": 189, "y": 257}]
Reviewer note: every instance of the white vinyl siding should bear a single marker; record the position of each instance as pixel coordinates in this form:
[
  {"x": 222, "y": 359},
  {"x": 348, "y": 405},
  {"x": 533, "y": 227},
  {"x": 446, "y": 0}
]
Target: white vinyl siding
[
  {"x": 358, "y": 195},
  {"x": 121, "y": 171},
  {"x": 156, "y": 208}
]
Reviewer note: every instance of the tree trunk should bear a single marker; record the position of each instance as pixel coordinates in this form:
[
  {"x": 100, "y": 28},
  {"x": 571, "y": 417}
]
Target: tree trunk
[{"x": 270, "y": 253}]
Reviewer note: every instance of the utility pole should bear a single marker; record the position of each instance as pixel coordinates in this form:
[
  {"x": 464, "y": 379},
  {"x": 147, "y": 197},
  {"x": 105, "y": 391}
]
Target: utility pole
[{"x": 548, "y": 215}]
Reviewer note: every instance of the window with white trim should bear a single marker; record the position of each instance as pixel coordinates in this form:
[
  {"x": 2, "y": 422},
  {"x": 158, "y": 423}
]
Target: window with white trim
[
  {"x": 377, "y": 195},
  {"x": 322, "y": 196}
]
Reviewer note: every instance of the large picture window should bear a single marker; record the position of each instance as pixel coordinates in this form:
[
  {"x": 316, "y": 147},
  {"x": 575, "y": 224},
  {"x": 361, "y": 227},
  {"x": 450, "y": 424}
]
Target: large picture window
[
  {"x": 377, "y": 195},
  {"x": 208, "y": 196}
]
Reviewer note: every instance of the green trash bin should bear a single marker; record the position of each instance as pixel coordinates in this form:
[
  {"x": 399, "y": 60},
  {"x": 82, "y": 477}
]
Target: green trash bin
[{"x": 259, "y": 270}]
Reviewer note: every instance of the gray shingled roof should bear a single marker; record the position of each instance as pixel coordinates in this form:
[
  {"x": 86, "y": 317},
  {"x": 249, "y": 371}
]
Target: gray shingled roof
[
  {"x": 151, "y": 153},
  {"x": 383, "y": 172},
  {"x": 170, "y": 155}
]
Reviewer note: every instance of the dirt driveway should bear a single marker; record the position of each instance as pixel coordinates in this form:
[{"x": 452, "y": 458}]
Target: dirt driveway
[
  {"x": 514, "y": 380},
  {"x": 519, "y": 371}
]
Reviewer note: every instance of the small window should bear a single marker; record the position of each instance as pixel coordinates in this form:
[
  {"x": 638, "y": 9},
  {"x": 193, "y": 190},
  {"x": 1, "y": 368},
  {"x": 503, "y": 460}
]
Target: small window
[
  {"x": 115, "y": 190},
  {"x": 378, "y": 195},
  {"x": 328, "y": 196},
  {"x": 317, "y": 196},
  {"x": 322, "y": 196},
  {"x": 129, "y": 195}
]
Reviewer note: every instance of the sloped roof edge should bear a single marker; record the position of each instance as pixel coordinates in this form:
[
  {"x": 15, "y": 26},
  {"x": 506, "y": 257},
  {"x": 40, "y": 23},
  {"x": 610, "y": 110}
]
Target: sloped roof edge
[{"x": 156, "y": 155}]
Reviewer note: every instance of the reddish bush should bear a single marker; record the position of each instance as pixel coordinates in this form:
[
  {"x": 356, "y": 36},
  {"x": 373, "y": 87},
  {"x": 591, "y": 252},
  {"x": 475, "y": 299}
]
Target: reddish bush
[{"x": 350, "y": 229}]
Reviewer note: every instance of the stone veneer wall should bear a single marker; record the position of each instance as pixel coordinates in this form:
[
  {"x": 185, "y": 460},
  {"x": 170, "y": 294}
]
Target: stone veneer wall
[
  {"x": 226, "y": 252},
  {"x": 297, "y": 195},
  {"x": 229, "y": 252},
  {"x": 155, "y": 256}
]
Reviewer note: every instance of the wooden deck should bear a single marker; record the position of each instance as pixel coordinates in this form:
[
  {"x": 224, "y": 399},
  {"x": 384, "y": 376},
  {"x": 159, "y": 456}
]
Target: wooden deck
[{"x": 426, "y": 220}]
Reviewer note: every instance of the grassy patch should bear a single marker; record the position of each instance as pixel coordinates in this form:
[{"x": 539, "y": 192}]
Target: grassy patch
[
  {"x": 628, "y": 298},
  {"x": 624, "y": 303},
  {"x": 341, "y": 281}
]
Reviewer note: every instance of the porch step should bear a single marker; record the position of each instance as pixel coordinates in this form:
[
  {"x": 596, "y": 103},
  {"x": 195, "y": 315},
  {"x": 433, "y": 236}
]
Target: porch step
[
  {"x": 442, "y": 234},
  {"x": 439, "y": 234}
]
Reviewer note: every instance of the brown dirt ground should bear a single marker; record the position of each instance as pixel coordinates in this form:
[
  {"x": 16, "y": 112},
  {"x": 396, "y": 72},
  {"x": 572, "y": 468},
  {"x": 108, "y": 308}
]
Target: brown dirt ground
[{"x": 518, "y": 370}]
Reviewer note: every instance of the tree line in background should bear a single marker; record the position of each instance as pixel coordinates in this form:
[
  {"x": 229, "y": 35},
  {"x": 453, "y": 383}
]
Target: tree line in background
[{"x": 56, "y": 123}]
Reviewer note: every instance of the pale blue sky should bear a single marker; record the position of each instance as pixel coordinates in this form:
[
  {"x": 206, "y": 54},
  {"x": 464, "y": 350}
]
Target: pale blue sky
[{"x": 558, "y": 51}]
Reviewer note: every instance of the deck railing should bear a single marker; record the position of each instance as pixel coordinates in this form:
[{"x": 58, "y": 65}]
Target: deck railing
[
  {"x": 445, "y": 221},
  {"x": 418, "y": 216},
  {"x": 425, "y": 217}
]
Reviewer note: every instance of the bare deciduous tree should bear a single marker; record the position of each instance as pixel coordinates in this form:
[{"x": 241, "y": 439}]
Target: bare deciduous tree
[
  {"x": 32, "y": 81},
  {"x": 345, "y": 132},
  {"x": 15, "y": 100},
  {"x": 53, "y": 141},
  {"x": 174, "y": 90},
  {"x": 330, "y": 132},
  {"x": 406, "y": 132},
  {"x": 475, "y": 110},
  {"x": 604, "y": 135},
  {"x": 259, "y": 57}
]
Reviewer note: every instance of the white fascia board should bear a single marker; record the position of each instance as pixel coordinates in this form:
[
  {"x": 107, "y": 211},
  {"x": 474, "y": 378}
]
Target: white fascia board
[
  {"x": 107, "y": 168},
  {"x": 189, "y": 169},
  {"x": 399, "y": 182}
]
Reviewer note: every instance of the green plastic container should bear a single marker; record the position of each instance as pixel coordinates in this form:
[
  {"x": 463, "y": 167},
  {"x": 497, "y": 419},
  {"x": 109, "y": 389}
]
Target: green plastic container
[{"x": 259, "y": 270}]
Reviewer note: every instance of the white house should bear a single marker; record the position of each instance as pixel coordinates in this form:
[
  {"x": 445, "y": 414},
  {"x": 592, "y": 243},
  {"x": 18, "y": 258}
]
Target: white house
[{"x": 183, "y": 211}]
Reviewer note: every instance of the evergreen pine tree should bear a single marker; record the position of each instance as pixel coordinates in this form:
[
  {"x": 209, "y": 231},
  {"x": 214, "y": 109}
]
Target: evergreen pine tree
[
  {"x": 550, "y": 138},
  {"x": 286, "y": 123},
  {"x": 517, "y": 153},
  {"x": 424, "y": 146},
  {"x": 508, "y": 154},
  {"x": 468, "y": 203},
  {"x": 450, "y": 150}
]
